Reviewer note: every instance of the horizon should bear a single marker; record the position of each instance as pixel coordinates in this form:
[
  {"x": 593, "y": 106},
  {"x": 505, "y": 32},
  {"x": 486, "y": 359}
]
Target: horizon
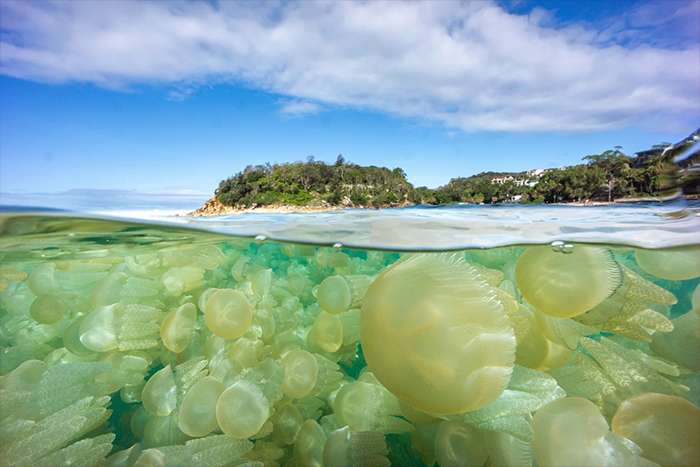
[{"x": 216, "y": 86}]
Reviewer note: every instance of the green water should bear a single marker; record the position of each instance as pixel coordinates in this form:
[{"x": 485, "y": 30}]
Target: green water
[{"x": 155, "y": 345}]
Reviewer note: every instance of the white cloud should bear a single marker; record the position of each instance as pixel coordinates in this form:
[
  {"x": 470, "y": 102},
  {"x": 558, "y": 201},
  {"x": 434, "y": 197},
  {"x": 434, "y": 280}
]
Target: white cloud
[
  {"x": 471, "y": 66},
  {"x": 298, "y": 108}
]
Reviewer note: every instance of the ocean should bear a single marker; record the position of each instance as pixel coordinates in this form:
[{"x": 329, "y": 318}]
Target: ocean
[{"x": 131, "y": 334}]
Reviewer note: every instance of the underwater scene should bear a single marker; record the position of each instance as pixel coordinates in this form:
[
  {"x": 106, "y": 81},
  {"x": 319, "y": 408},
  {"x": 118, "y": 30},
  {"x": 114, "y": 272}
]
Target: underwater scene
[{"x": 144, "y": 344}]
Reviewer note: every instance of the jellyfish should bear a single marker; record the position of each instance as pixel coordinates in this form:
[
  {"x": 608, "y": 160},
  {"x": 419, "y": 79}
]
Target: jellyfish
[
  {"x": 458, "y": 444},
  {"x": 365, "y": 405},
  {"x": 337, "y": 294},
  {"x": 197, "y": 415},
  {"x": 572, "y": 431},
  {"x": 182, "y": 279},
  {"x": 122, "y": 327},
  {"x": 308, "y": 449},
  {"x": 300, "y": 373},
  {"x": 326, "y": 334},
  {"x": 682, "y": 344},
  {"x": 177, "y": 328},
  {"x": 567, "y": 284},
  {"x": 674, "y": 264},
  {"x": 242, "y": 410},
  {"x": 667, "y": 428},
  {"x": 160, "y": 393},
  {"x": 228, "y": 313},
  {"x": 287, "y": 422},
  {"x": 435, "y": 334},
  {"x": 48, "y": 309}
]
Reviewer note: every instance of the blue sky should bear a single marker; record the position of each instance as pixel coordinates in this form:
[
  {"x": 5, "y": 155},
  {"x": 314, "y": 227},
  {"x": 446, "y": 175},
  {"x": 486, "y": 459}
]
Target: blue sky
[{"x": 172, "y": 97}]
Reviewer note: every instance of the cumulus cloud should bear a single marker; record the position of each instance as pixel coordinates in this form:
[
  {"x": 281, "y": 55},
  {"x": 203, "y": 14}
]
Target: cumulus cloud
[{"x": 470, "y": 66}]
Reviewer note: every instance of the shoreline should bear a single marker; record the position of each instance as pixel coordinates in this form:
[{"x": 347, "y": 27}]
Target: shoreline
[{"x": 213, "y": 207}]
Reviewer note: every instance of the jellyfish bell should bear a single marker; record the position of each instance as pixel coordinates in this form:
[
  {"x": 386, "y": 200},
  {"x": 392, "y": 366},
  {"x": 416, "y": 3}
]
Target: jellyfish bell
[
  {"x": 584, "y": 425},
  {"x": 177, "y": 328},
  {"x": 675, "y": 264},
  {"x": 300, "y": 373},
  {"x": 567, "y": 285},
  {"x": 228, "y": 313},
  {"x": 667, "y": 428},
  {"x": 435, "y": 335},
  {"x": 573, "y": 431},
  {"x": 334, "y": 294},
  {"x": 242, "y": 410},
  {"x": 197, "y": 415}
]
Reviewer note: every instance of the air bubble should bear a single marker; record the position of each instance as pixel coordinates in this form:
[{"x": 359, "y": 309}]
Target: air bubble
[
  {"x": 567, "y": 248},
  {"x": 337, "y": 245},
  {"x": 557, "y": 245},
  {"x": 260, "y": 238}
]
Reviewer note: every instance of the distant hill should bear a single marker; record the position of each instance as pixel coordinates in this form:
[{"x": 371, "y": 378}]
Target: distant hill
[
  {"x": 315, "y": 183},
  {"x": 609, "y": 176}
]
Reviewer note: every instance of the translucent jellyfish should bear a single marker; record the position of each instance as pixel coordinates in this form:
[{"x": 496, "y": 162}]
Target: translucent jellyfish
[
  {"x": 287, "y": 422},
  {"x": 667, "y": 428},
  {"x": 308, "y": 449},
  {"x": 228, "y": 313},
  {"x": 567, "y": 285},
  {"x": 242, "y": 410},
  {"x": 434, "y": 333},
  {"x": 182, "y": 279},
  {"x": 675, "y": 264},
  {"x": 572, "y": 431},
  {"x": 681, "y": 345},
  {"x": 300, "y": 373},
  {"x": 197, "y": 415},
  {"x": 261, "y": 281},
  {"x": 123, "y": 327},
  {"x": 345, "y": 448},
  {"x": 326, "y": 334},
  {"x": 365, "y": 405},
  {"x": 458, "y": 444},
  {"x": 337, "y": 294},
  {"x": 178, "y": 327},
  {"x": 160, "y": 393},
  {"x": 42, "y": 279},
  {"x": 245, "y": 406},
  {"x": 245, "y": 352},
  {"x": 48, "y": 309}
]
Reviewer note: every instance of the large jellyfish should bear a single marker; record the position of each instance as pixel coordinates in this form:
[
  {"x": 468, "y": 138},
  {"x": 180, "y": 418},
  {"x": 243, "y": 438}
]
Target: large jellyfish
[
  {"x": 567, "y": 284},
  {"x": 676, "y": 264},
  {"x": 436, "y": 335}
]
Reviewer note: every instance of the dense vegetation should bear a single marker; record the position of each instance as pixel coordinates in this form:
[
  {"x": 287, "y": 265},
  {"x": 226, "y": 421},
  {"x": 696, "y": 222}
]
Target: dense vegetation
[
  {"x": 315, "y": 183},
  {"x": 609, "y": 176}
]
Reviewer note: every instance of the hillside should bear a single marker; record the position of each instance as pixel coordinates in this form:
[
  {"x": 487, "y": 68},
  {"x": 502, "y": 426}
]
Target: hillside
[{"x": 315, "y": 185}]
